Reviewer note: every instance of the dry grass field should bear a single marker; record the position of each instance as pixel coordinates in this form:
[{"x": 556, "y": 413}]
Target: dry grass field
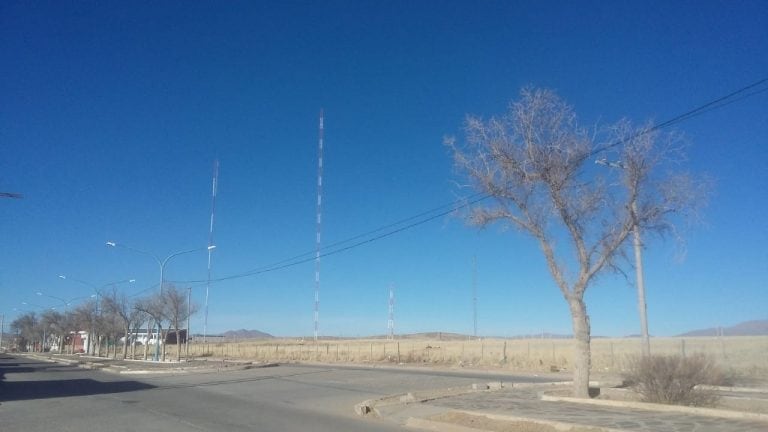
[{"x": 742, "y": 355}]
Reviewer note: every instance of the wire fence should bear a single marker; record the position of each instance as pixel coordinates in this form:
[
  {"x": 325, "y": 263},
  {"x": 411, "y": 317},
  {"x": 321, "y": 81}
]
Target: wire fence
[{"x": 747, "y": 354}]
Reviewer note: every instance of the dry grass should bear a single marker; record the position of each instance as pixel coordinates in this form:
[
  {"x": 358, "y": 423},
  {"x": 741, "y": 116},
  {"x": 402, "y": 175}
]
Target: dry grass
[{"x": 745, "y": 356}]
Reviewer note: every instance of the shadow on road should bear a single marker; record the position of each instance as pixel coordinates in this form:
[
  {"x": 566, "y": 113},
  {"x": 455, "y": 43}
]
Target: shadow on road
[
  {"x": 16, "y": 390},
  {"x": 25, "y": 390}
]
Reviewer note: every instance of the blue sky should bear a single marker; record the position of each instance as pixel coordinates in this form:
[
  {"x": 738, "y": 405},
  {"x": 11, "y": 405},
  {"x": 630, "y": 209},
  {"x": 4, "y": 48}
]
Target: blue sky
[{"x": 112, "y": 115}]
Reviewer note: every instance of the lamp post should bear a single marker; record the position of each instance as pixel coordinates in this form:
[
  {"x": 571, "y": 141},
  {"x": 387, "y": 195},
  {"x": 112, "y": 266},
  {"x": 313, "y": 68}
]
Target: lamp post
[{"x": 161, "y": 263}]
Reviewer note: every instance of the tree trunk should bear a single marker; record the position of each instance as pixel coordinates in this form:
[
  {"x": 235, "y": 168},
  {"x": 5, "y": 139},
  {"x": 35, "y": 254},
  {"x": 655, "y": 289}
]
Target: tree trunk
[
  {"x": 178, "y": 345},
  {"x": 146, "y": 341},
  {"x": 163, "y": 346},
  {"x": 582, "y": 356},
  {"x": 125, "y": 343}
]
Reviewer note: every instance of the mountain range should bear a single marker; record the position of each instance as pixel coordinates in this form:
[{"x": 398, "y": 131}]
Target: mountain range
[{"x": 746, "y": 328}]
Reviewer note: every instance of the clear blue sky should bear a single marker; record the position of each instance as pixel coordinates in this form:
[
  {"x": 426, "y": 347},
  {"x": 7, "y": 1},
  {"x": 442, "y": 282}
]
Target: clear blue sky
[{"x": 112, "y": 115}]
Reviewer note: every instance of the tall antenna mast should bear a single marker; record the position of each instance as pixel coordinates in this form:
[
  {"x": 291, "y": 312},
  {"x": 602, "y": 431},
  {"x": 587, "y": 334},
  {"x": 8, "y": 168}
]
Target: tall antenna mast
[
  {"x": 391, "y": 321},
  {"x": 319, "y": 221},
  {"x": 474, "y": 294},
  {"x": 210, "y": 243}
]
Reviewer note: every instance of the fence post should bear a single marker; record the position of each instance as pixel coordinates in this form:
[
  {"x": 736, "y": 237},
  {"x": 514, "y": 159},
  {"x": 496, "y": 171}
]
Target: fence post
[
  {"x": 398, "y": 353},
  {"x": 529, "y": 350},
  {"x": 612, "y": 359},
  {"x": 553, "y": 352}
]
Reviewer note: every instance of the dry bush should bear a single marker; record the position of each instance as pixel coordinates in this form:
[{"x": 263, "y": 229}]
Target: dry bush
[{"x": 673, "y": 379}]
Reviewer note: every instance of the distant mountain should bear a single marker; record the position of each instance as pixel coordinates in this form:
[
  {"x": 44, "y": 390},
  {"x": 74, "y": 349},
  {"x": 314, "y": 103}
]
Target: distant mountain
[
  {"x": 746, "y": 328},
  {"x": 246, "y": 334}
]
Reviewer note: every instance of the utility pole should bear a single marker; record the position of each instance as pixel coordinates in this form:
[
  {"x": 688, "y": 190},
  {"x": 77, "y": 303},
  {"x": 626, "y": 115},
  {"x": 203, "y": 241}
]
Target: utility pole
[
  {"x": 391, "y": 321},
  {"x": 641, "y": 306},
  {"x": 474, "y": 295},
  {"x": 189, "y": 313},
  {"x": 319, "y": 222}
]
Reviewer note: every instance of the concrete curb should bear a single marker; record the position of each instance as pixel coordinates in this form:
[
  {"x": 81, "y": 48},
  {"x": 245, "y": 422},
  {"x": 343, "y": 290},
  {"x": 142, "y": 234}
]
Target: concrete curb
[
  {"x": 707, "y": 412},
  {"x": 432, "y": 425},
  {"x": 104, "y": 366},
  {"x": 432, "y": 368},
  {"x": 733, "y": 389},
  {"x": 123, "y": 371},
  {"x": 371, "y": 405}
]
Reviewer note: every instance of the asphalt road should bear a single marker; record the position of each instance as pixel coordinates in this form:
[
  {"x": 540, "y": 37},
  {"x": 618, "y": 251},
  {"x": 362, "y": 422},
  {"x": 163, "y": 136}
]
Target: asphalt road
[{"x": 40, "y": 396}]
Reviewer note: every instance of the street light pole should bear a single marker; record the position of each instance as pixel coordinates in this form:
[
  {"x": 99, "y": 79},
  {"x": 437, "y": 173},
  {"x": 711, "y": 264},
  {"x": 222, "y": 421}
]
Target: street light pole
[{"x": 161, "y": 263}]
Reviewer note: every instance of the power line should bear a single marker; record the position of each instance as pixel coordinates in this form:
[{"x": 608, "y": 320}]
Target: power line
[
  {"x": 709, "y": 106},
  {"x": 478, "y": 196}
]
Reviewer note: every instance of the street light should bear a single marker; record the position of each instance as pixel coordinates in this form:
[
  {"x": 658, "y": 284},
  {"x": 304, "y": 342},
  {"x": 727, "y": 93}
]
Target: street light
[
  {"x": 161, "y": 263},
  {"x": 65, "y": 302}
]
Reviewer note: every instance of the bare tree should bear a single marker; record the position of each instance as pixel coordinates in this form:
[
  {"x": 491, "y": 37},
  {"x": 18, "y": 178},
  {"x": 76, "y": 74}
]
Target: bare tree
[
  {"x": 154, "y": 307},
  {"x": 138, "y": 318},
  {"x": 537, "y": 165},
  {"x": 177, "y": 310},
  {"x": 25, "y": 327},
  {"x": 85, "y": 317},
  {"x": 121, "y": 305},
  {"x": 54, "y": 323}
]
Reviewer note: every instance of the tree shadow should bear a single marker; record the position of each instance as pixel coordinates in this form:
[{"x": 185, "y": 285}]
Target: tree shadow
[
  {"x": 44, "y": 389},
  {"x": 26, "y": 390}
]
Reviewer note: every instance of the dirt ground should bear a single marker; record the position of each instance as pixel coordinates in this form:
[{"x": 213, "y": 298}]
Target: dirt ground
[{"x": 485, "y": 423}]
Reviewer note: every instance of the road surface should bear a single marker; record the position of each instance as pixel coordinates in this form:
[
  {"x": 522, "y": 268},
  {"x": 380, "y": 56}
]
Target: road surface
[{"x": 40, "y": 396}]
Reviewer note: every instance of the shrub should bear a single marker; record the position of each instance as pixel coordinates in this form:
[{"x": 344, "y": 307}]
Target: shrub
[{"x": 673, "y": 379}]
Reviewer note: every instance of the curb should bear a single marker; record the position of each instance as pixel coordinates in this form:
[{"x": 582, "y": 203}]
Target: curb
[
  {"x": 120, "y": 370},
  {"x": 370, "y": 405},
  {"x": 104, "y": 366},
  {"x": 432, "y": 425},
  {"x": 706, "y": 412},
  {"x": 734, "y": 389}
]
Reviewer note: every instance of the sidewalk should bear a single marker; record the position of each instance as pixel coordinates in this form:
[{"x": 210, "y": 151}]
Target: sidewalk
[{"x": 521, "y": 409}]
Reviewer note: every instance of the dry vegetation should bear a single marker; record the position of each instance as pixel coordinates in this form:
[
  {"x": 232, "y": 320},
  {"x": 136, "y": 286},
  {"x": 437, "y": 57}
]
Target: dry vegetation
[
  {"x": 675, "y": 380},
  {"x": 745, "y": 356}
]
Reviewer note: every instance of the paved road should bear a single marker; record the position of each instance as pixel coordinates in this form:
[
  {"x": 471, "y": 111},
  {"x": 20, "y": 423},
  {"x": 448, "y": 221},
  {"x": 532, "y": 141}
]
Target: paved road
[{"x": 40, "y": 396}]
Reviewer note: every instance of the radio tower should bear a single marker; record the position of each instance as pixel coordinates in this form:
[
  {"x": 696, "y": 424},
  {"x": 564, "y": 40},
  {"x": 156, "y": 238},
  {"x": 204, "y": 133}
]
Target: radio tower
[
  {"x": 391, "y": 321},
  {"x": 319, "y": 222},
  {"x": 210, "y": 243}
]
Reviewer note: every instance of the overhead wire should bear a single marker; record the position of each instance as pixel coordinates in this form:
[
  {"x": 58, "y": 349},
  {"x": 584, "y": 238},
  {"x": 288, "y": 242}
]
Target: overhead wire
[{"x": 476, "y": 197}]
